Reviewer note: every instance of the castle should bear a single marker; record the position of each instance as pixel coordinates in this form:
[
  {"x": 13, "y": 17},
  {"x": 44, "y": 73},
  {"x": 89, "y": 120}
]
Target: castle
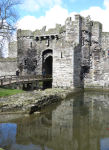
[{"x": 76, "y": 54}]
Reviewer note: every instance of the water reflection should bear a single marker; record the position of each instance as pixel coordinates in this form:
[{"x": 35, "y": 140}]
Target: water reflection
[
  {"x": 7, "y": 134},
  {"x": 80, "y": 123}
]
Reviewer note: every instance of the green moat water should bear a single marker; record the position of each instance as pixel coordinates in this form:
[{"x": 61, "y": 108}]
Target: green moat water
[{"x": 77, "y": 123}]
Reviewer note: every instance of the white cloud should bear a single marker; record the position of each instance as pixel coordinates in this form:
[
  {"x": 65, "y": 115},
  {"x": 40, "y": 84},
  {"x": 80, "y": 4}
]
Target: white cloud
[
  {"x": 35, "y": 5},
  {"x": 97, "y": 14},
  {"x": 4, "y": 46},
  {"x": 72, "y": 15},
  {"x": 106, "y": 4},
  {"x": 58, "y": 15},
  {"x": 53, "y": 16},
  {"x": 30, "y": 5}
]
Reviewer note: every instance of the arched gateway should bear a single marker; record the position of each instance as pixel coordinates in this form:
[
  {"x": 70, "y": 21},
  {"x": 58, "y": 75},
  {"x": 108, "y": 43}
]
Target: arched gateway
[{"x": 47, "y": 61}]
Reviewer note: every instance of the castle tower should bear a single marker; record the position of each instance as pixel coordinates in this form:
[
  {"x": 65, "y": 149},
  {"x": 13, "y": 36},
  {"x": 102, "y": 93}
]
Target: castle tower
[{"x": 26, "y": 52}]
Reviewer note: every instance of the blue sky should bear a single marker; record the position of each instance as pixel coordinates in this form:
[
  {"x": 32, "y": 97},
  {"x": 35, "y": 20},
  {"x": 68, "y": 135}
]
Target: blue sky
[
  {"x": 34, "y": 14},
  {"x": 35, "y": 8},
  {"x": 8, "y": 138},
  {"x": 70, "y": 5}
]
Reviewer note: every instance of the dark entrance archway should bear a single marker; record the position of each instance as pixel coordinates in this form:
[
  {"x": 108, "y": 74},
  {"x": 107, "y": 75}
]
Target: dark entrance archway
[
  {"x": 47, "y": 64},
  {"x": 47, "y": 61}
]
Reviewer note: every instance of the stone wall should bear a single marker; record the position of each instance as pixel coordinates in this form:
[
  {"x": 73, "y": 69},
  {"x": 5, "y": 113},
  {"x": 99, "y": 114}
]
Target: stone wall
[
  {"x": 26, "y": 55},
  {"x": 98, "y": 74},
  {"x": 12, "y": 49},
  {"x": 8, "y": 66}
]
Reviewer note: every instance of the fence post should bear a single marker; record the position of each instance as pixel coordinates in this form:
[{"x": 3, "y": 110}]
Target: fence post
[
  {"x": 23, "y": 79},
  {"x": 17, "y": 79},
  {"x": 33, "y": 78},
  {"x": 10, "y": 81},
  {"x": 28, "y": 78},
  {"x": 2, "y": 82},
  {"x": 38, "y": 78}
]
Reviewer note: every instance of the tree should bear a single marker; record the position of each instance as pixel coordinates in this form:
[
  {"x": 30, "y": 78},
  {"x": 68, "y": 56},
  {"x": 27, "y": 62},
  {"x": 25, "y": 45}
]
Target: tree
[{"x": 8, "y": 18}]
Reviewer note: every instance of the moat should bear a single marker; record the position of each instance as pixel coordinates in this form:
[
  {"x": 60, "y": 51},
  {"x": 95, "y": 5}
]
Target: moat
[{"x": 80, "y": 122}]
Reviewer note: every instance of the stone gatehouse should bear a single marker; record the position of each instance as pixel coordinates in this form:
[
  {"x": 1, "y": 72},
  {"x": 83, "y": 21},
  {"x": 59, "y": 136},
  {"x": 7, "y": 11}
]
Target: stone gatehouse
[{"x": 76, "y": 54}]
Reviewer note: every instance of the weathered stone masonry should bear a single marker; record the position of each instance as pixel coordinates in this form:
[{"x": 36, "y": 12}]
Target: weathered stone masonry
[
  {"x": 12, "y": 49},
  {"x": 8, "y": 66},
  {"x": 76, "y": 54}
]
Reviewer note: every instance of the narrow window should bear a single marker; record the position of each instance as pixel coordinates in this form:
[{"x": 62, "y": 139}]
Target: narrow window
[
  {"x": 61, "y": 54},
  {"x": 31, "y": 45},
  {"x": 25, "y": 61},
  {"x": 82, "y": 41}
]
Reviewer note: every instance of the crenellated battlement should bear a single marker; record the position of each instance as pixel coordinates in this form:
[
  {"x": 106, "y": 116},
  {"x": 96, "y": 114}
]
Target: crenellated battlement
[
  {"x": 37, "y": 33},
  {"x": 52, "y": 31}
]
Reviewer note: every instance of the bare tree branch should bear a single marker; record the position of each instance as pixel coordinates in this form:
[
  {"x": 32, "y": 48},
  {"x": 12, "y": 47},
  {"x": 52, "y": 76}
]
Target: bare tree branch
[{"x": 8, "y": 18}]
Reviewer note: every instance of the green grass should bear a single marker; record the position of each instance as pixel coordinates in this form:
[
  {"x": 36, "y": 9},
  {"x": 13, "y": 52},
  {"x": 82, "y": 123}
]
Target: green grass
[
  {"x": 1, "y": 149},
  {"x": 40, "y": 83},
  {"x": 7, "y": 91}
]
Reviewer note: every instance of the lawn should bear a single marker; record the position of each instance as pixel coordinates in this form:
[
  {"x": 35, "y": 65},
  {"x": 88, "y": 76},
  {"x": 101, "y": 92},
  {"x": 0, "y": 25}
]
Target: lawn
[{"x": 7, "y": 91}]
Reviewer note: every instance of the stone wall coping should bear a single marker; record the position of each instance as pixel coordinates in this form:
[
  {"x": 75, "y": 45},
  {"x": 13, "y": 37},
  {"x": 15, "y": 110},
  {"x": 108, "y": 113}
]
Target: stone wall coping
[{"x": 44, "y": 35}]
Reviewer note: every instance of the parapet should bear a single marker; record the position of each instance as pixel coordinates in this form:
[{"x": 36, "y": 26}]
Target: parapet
[
  {"x": 85, "y": 22},
  {"x": 97, "y": 24},
  {"x": 106, "y": 34},
  {"x": 62, "y": 29},
  {"x": 42, "y": 32},
  {"x": 21, "y": 33},
  {"x": 8, "y": 59},
  {"x": 77, "y": 16}
]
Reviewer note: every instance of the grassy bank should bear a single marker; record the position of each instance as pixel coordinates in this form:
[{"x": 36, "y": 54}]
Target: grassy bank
[{"x": 6, "y": 92}]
